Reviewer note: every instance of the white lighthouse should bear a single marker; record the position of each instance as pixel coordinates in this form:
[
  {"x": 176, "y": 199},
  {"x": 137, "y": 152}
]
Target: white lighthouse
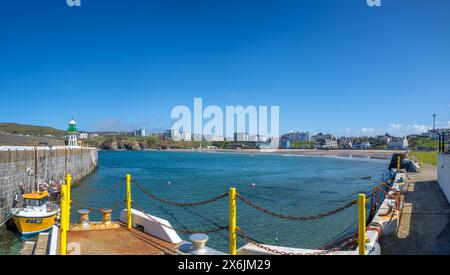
[{"x": 73, "y": 133}]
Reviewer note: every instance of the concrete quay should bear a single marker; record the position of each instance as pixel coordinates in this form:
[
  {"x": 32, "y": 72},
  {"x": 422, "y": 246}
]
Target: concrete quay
[{"x": 425, "y": 219}]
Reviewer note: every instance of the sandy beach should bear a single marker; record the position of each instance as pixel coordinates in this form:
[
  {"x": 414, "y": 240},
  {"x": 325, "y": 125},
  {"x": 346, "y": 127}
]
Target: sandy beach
[{"x": 376, "y": 154}]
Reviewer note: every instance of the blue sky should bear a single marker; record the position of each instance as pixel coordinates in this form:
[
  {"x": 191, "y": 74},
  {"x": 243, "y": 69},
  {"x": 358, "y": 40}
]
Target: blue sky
[{"x": 334, "y": 66}]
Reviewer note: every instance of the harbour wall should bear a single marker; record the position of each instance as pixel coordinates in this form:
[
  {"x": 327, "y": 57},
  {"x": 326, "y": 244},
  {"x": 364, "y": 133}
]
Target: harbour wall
[
  {"x": 444, "y": 174},
  {"x": 27, "y": 166}
]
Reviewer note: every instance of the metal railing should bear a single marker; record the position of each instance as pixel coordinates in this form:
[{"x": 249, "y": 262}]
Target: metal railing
[{"x": 234, "y": 230}]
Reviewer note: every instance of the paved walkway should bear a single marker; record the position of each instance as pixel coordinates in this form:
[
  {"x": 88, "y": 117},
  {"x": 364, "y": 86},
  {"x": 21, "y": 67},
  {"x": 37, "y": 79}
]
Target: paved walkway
[{"x": 425, "y": 220}]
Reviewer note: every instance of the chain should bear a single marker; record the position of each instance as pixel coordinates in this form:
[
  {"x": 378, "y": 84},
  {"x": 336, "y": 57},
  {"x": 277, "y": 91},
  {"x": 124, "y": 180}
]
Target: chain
[
  {"x": 184, "y": 231},
  {"x": 248, "y": 239},
  {"x": 295, "y": 218},
  {"x": 109, "y": 188},
  {"x": 178, "y": 203}
]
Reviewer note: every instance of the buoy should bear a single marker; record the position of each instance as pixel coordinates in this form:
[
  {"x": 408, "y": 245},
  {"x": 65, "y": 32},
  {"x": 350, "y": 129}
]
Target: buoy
[
  {"x": 253, "y": 185},
  {"x": 168, "y": 183}
]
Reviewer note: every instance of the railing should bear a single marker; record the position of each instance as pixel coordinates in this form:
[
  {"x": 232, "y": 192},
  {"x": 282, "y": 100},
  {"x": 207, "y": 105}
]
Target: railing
[
  {"x": 235, "y": 230},
  {"x": 443, "y": 144},
  {"x": 358, "y": 237}
]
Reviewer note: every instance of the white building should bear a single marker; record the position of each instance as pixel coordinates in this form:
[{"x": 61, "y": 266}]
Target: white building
[
  {"x": 327, "y": 143},
  {"x": 175, "y": 135},
  {"x": 83, "y": 135},
  {"x": 240, "y": 137},
  {"x": 253, "y": 138},
  {"x": 140, "y": 133},
  {"x": 365, "y": 145},
  {"x": 398, "y": 144},
  {"x": 186, "y": 136}
]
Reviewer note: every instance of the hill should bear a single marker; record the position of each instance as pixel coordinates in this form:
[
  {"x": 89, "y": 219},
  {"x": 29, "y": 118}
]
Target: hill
[{"x": 30, "y": 130}]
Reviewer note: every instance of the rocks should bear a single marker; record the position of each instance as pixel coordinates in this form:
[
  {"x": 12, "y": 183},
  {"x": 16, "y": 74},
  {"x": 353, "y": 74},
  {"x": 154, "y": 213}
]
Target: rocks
[{"x": 133, "y": 145}]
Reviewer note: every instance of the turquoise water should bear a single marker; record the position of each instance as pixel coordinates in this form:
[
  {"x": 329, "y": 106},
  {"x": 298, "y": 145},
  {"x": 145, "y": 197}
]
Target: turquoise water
[{"x": 292, "y": 185}]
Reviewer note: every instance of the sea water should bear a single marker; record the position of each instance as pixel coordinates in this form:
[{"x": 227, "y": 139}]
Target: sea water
[{"x": 287, "y": 184}]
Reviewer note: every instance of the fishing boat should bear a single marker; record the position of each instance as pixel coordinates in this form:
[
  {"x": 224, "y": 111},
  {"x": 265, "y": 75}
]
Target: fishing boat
[{"x": 38, "y": 214}]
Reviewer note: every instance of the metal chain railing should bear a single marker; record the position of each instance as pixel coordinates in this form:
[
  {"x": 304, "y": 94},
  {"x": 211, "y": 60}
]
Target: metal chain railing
[
  {"x": 178, "y": 203},
  {"x": 184, "y": 231},
  {"x": 295, "y": 218},
  {"x": 248, "y": 239},
  {"x": 112, "y": 187}
]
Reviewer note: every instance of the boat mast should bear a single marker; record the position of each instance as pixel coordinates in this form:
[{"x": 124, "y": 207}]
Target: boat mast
[{"x": 36, "y": 187}]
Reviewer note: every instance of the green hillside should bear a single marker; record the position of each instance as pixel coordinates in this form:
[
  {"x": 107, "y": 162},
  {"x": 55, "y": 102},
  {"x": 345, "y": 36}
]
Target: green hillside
[{"x": 39, "y": 131}]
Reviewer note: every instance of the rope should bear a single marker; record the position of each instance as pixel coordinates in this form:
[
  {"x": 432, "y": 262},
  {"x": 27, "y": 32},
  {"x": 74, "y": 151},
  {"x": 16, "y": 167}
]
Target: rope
[
  {"x": 6, "y": 220},
  {"x": 296, "y": 218},
  {"x": 184, "y": 231},
  {"x": 179, "y": 203}
]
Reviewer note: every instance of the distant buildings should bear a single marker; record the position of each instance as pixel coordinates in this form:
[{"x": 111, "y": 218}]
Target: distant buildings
[
  {"x": 296, "y": 136},
  {"x": 364, "y": 145},
  {"x": 326, "y": 143},
  {"x": 434, "y": 134},
  {"x": 398, "y": 144},
  {"x": 187, "y": 136},
  {"x": 140, "y": 133},
  {"x": 240, "y": 137},
  {"x": 345, "y": 143},
  {"x": 83, "y": 135}
]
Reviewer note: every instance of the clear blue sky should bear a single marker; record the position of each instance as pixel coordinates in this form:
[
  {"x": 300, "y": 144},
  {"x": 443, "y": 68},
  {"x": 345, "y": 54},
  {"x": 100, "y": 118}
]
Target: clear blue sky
[{"x": 335, "y": 66}]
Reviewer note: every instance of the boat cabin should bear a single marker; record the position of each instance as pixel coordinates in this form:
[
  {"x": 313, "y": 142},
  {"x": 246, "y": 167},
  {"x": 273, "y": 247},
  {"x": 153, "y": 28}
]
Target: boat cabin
[{"x": 35, "y": 199}]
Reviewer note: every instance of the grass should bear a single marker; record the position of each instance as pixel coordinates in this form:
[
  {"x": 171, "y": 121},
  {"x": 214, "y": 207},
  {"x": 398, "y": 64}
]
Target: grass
[
  {"x": 425, "y": 157},
  {"x": 20, "y": 129},
  {"x": 424, "y": 142}
]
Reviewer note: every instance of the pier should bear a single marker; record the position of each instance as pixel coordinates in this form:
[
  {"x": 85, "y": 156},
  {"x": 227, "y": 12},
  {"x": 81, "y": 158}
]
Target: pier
[
  {"x": 35, "y": 166},
  {"x": 425, "y": 219}
]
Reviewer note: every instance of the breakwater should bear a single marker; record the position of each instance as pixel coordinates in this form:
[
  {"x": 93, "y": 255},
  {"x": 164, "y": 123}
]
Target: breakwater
[{"x": 31, "y": 166}]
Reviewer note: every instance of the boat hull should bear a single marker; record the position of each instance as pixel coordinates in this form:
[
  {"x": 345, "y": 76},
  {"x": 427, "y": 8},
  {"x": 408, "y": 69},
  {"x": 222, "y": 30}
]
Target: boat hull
[{"x": 34, "y": 225}]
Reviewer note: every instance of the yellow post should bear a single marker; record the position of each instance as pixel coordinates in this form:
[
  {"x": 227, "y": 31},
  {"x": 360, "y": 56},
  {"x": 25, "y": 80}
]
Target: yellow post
[
  {"x": 398, "y": 164},
  {"x": 362, "y": 224},
  {"x": 62, "y": 222},
  {"x": 128, "y": 178},
  {"x": 232, "y": 195},
  {"x": 421, "y": 166},
  {"x": 68, "y": 202}
]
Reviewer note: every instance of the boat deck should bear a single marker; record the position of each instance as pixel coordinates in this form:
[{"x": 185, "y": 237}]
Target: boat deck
[{"x": 117, "y": 241}]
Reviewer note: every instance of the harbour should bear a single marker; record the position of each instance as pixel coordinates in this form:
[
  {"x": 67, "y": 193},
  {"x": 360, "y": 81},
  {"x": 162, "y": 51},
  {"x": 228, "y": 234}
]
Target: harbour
[
  {"x": 306, "y": 194},
  {"x": 217, "y": 135}
]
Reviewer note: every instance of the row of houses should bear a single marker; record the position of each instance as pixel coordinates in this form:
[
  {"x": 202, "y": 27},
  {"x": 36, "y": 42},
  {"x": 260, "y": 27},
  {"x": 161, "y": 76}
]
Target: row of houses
[{"x": 328, "y": 141}]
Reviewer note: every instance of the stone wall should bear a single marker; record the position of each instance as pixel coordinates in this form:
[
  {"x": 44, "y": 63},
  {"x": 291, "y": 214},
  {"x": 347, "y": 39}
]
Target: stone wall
[
  {"x": 444, "y": 173},
  {"x": 18, "y": 167}
]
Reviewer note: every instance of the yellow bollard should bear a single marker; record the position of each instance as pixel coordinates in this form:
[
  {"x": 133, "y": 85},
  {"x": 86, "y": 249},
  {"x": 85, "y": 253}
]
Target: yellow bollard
[
  {"x": 62, "y": 222},
  {"x": 128, "y": 178},
  {"x": 68, "y": 200},
  {"x": 362, "y": 224},
  {"x": 398, "y": 164},
  {"x": 232, "y": 195}
]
